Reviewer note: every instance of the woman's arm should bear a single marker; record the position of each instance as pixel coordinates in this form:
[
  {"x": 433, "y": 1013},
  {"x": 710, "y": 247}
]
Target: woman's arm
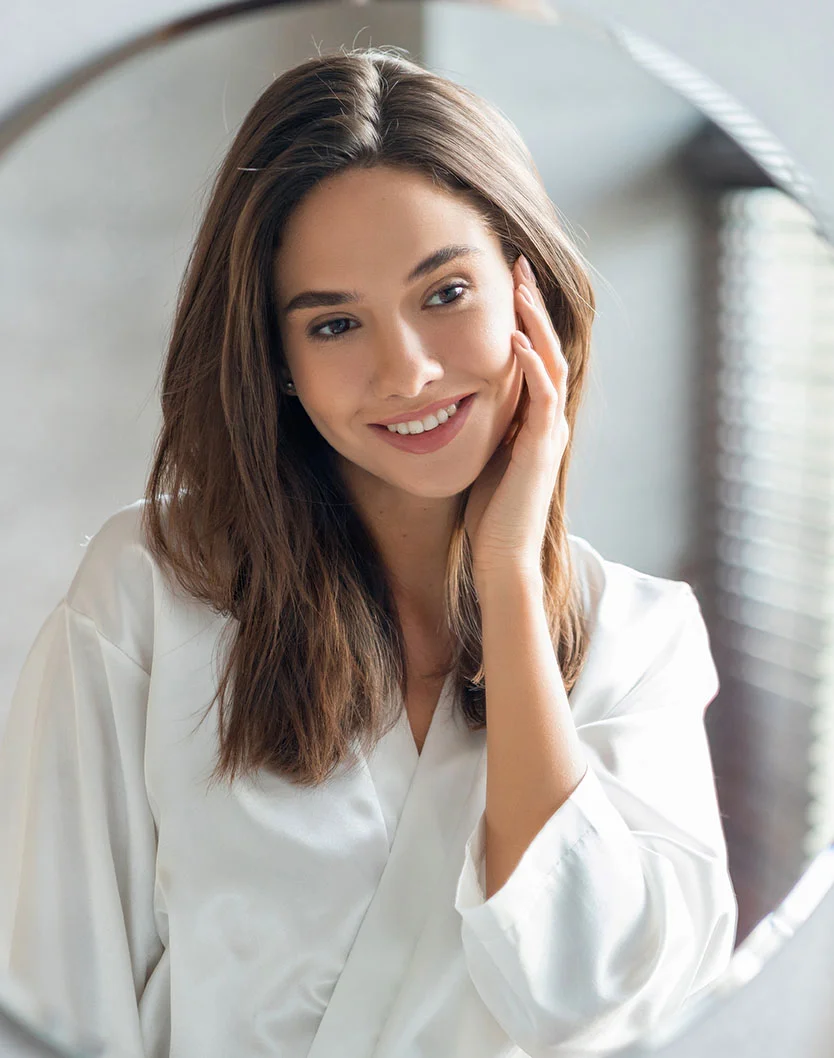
[
  {"x": 534, "y": 755},
  {"x": 619, "y": 908},
  {"x": 77, "y": 837}
]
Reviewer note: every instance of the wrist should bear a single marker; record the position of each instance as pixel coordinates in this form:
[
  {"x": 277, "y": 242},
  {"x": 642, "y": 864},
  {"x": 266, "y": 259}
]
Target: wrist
[{"x": 499, "y": 580}]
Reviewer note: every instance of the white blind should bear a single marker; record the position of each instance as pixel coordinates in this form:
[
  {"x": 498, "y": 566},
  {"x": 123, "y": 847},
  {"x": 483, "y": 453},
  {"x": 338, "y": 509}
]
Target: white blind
[{"x": 774, "y": 499}]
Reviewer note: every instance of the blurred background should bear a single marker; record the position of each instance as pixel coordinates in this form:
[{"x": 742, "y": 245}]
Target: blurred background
[{"x": 704, "y": 451}]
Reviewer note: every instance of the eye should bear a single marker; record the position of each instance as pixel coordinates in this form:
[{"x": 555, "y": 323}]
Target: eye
[
  {"x": 453, "y": 286},
  {"x": 318, "y": 334}
]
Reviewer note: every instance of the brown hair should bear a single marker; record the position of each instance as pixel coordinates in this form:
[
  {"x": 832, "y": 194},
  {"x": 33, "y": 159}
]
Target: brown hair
[{"x": 244, "y": 505}]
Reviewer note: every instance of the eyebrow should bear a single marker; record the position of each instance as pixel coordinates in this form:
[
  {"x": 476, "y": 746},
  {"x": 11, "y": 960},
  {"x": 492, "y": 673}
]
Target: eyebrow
[{"x": 314, "y": 299}]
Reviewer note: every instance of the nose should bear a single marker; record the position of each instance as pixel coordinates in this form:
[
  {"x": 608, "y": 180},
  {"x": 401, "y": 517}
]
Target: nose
[{"x": 403, "y": 365}]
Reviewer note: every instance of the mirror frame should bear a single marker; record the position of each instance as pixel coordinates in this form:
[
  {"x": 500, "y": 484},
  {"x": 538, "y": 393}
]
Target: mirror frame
[{"x": 817, "y": 883}]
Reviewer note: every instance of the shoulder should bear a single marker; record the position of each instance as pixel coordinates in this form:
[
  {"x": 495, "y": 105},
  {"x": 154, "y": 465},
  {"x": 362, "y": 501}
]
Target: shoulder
[
  {"x": 638, "y": 625},
  {"x": 116, "y": 584},
  {"x": 616, "y": 593}
]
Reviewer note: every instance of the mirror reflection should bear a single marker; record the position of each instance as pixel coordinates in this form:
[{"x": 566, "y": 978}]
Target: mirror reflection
[{"x": 247, "y": 740}]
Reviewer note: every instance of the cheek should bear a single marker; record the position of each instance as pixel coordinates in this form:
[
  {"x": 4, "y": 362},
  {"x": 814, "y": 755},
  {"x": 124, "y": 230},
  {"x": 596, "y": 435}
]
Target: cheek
[
  {"x": 326, "y": 386},
  {"x": 484, "y": 343},
  {"x": 324, "y": 403},
  {"x": 333, "y": 404}
]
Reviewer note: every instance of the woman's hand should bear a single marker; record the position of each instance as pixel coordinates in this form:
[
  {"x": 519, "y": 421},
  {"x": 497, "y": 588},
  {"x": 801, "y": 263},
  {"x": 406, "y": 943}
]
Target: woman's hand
[{"x": 506, "y": 512}]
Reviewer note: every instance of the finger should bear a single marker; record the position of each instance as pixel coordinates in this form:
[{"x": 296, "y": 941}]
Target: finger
[
  {"x": 518, "y": 271},
  {"x": 533, "y": 307},
  {"x": 532, "y": 302},
  {"x": 558, "y": 387},
  {"x": 546, "y": 395},
  {"x": 540, "y": 330},
  {"x": 536, "y": 298},
  {"x": 556, "y": 371},
  {"x": 532, "y": 299}
]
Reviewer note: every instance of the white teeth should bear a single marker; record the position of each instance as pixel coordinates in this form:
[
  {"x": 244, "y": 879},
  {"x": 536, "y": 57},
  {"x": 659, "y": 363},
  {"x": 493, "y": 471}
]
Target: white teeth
[{"x": 423, "y": 426}]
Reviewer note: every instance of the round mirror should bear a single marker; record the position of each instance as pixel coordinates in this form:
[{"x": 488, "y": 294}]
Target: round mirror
[{"x": 702, "y": 448}]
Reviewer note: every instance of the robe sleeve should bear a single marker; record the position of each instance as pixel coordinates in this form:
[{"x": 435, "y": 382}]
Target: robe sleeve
[
  {"x": 77, "y": 835},
  {"x": 621, "y": 909}
]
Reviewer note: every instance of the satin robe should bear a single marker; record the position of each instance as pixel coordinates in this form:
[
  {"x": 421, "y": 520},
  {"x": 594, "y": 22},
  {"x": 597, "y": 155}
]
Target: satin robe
[{"x": 171, "y": 918}]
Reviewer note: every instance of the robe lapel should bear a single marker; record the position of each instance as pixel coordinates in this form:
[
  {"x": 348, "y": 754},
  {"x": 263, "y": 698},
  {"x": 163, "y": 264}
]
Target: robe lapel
[{"x": 432, "y": 788}]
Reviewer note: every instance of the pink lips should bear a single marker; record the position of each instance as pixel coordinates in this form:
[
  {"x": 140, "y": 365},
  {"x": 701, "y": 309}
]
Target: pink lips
[
  {"x": 431, "y": 440},
  {"x": 423, "y": 412}
]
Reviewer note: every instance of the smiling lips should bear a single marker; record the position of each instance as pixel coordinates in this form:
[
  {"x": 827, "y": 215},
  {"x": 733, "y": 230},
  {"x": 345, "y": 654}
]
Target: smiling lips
[
  {"x": 422, "y": 412},
  {"x": 426, "y": 441}
]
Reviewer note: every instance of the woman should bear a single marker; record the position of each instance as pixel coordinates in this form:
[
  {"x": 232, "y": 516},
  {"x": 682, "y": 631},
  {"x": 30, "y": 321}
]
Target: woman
[{"x": 339, "y": 743}]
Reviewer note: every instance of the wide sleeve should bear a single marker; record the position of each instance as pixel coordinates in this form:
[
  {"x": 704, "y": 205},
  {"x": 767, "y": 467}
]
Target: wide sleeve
[
  {"x": 621, "y": 909},
  {"x": 77, "y": 835}
]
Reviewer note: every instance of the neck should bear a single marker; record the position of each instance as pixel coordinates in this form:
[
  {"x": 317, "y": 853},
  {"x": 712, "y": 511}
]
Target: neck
[{"x": 413, "y": 535}]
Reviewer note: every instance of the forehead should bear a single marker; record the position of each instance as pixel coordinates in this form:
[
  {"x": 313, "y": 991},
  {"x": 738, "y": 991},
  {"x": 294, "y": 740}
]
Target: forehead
[{"x": 379, "y": 221}]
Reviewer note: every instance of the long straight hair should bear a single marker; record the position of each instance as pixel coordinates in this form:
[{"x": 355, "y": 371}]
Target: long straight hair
[{"x": 244, "y": 505}]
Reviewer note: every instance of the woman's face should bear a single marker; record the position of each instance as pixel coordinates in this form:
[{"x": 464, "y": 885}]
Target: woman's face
[{"x": 393, "y": 342}]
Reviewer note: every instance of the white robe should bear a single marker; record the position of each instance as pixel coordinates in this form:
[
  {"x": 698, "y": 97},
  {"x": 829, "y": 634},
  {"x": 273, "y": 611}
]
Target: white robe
[{"x": 349, "y": 921}]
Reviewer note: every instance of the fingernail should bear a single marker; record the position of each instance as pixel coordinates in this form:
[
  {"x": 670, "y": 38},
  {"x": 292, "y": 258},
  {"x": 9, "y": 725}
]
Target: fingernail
[{"x": 526, "y": 269}]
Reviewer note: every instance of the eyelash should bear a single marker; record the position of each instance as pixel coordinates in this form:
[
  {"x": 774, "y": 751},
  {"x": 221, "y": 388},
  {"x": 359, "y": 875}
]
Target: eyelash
[{"x": 315, "y": 334}]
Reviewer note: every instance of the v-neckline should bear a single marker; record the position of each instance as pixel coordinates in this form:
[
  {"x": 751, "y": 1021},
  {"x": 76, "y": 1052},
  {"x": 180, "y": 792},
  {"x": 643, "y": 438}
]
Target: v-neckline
[
  {"x": 428, "y": 813},
  {"x": 425, "y": 706},
  {"x": 405, "y": 724}
]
